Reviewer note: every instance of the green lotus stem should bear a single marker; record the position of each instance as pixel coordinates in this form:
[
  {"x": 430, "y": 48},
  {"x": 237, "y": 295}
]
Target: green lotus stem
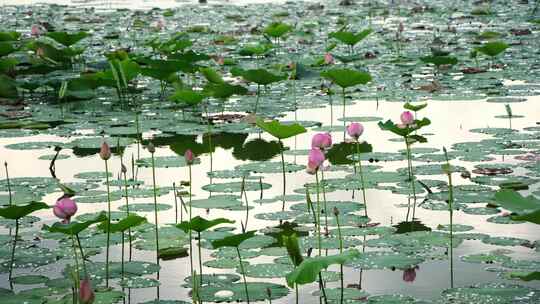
[
  {"x": 200, "y": 256},
  {"x": 284, "y": 178},
  {"x": 411, "y": 174},
  {"x": 82, "y": 255},
  {"x": 108, "y": 225},
  {"x": 336, "y": 212},
  {"x": 127, "y": 211},
  {"x": 321, "y": 284},
  {"x": 361, "y": 177},
  {"x": 209, "y": 139},
  {"x": 318, "y": 218},
  {"x": 258, "y": 97},
  {"x": 155, "y": 210},
  {"x": 243, "y": 274},
  {"x": 243, "y": 192},
  {"x": 8, "y": 184},
  {"x": 324, "y": 201},
  {"x": 12, "y": 261},
  {"x": 77, "y": 276},
  {"x": 451, "y": 209},
  {"x": 139, "y": 135},
  {"x": 122, "y": 256},
  {"x": 190, "y": 236},
  {"x": 175, "y": 204}
]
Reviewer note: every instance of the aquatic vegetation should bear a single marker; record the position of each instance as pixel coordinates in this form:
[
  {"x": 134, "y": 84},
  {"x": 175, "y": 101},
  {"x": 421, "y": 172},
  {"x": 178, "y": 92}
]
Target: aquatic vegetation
[{"x": 235, "y": 105}]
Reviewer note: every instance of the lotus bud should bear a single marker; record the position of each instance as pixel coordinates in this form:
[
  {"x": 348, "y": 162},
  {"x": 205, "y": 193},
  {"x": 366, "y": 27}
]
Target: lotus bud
[
  {"x": 407, "y": 118},
  {"x": 321, "y": 141},
  {"x": 86, "y": 293},
  {"x": 189, "y": 157},
  {"x": 151, "y": 148},
  {"x": 355, "y": 130},
  {"x": 328, "y": 58},
  {"x": 315, "y": 160},
  {"x": 65, "y": 208},
  {"x": 336, "y": 211},
  {"x": 123, "y": 169},
  {"x": 105, "y": 151}
]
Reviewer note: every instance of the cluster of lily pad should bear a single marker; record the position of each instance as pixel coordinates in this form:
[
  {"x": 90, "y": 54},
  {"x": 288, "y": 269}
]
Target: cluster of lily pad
[{"x": 147, "y": 79}]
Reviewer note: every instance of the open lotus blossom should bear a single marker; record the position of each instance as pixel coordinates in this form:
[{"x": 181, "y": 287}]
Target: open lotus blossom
[
  {"x": 86, "y": 293},
  {"x": 328, "y": 58},
  {"x": 65, "y": 208},
  {"x": 189, "y": 157},
  {"x": 409, "y": 275},
  {"x": 355, "y": 130},
  {"x": 315, "y": 160},
  {"x": 105, "y": 151},
  {"x": 321, "y": 141}
]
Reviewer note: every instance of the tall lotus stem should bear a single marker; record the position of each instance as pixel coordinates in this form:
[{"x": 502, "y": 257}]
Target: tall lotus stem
[
  {"x": 336, "y": 213},
  {"x": 200, "y": 256},
  {"x": 124, "y": 172},
  {"x": 8, "y": 184},
  {"x": 105, "y": 154},
  {"x": 284, "y": 178},
  {"x": 318, "y": 218},
  {"x": 12, "y": 261},
  {"x": 411, "y": 174},
  {"x": 324, "y": 202},
  {"x": 152, "y": 150},
  {"x": 361, "y": 177},
  {"x": 243, "y": 274},
  {"x": 448, "y": 170},
  {"x": 77, "y": 276},
  {"x": 175, "y": 204},
  {"x": 258, "y": 98},
  {"x": 190, "y": 236}
]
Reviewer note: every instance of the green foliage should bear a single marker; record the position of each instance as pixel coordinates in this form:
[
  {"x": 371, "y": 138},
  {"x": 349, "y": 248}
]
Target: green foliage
[
  {"x": 187, "y": 96},
  {"x": 67, "y": 39},
  {"x": 308, "y": 271},
  {"x": 525, "y": 208},
  {"x": 223, "y": 90},
  {"x": 233, "y": 240},
  {"x": 258, "y": 76},
  {"x": 414, "y": 108},
  {"x": 211, "y": 75},
  {"x": 16, "y": 212},
  {"x": 8, "y": 87},
  {"x": 492, "y": 49},
  {"x": 74, "y": 228},
  {"x": 280, "y": 131},
  {"x": 293, "y": 249},
  {"x": 200, "y": 224},
  {"x": 350, "y": 38},
  {"x": 277, "y": 29},
  {"x": 406, "y": 131},
  {"x": 126, "y": 223},
  {"x": 346, "y": 78}
]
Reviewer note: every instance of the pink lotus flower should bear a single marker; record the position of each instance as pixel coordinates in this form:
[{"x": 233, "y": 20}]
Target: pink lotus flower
[
  {"x": 86, "y": 293},
  {"x": 328, "y": 58},
  {"x": 105, "y": 151},
  {"x": 409, "y": 275},
  {"x": 189, "y": 157},
  {"x": 321, "y": 141},
  {"x": 407, "y": 118},
  {"x": 36, "y": 30},
  {"x": 65, "y": 208},
  {"x": 355, "y": 130},
  {"x": 315, "y": 160}
]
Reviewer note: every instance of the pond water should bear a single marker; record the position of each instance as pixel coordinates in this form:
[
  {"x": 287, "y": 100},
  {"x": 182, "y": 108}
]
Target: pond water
[{"x": 488, "y": 121}]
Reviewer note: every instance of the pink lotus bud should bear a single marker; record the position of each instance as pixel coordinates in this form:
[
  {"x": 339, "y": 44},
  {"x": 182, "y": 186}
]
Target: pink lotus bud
[
  {"x": 321, "y": 141},
  {"x": 355, "y": 130},
  {"x": 407, "y": 118},
  {"x": 328, "y": 58},
  {"x": 40, "y": 52},
  {"x": 151, "y": 148},
  {"x": 189, "y": 157},
  {"x": 315, "y": 160},
  {"x": 409, "y": 275},
  {"x": 86, "y": 293},
  {"x": 36, "y": 30},
  {"x": 401, "y": 27},
  {"x": 105, "y": 152},
  {"x": 65, "y": 208}
]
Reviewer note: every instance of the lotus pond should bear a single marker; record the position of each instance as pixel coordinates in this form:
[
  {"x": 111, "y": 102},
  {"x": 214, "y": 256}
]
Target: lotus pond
[{"x": 300, "y": 152}]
